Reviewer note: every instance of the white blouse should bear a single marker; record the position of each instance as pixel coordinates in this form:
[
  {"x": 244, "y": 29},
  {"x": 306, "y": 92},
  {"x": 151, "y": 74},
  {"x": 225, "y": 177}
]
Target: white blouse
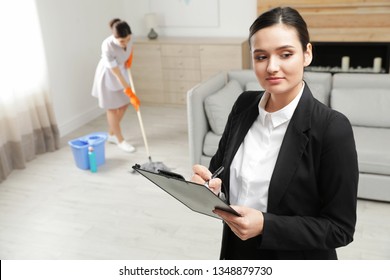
[{"x": 254, "y": 162}]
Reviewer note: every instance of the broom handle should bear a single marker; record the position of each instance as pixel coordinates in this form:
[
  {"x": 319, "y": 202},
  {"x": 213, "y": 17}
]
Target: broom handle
[{"x": 141, "y": 124}]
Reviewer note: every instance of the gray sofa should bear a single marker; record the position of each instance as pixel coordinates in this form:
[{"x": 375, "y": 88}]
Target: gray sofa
[{"x": 363, "y": 98}]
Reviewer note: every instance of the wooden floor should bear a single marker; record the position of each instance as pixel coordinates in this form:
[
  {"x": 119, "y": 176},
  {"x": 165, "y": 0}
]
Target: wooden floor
[{"x": 53, "y": 210}]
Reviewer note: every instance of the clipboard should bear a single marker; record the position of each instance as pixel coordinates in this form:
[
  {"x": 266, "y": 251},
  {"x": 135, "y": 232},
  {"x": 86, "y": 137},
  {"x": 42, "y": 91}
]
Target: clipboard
[{"x": 195, "y": 196}]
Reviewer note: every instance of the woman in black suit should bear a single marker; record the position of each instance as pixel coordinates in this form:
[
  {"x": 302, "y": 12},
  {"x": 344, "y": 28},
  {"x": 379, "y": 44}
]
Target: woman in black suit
[{"x": 290, "y": 162}]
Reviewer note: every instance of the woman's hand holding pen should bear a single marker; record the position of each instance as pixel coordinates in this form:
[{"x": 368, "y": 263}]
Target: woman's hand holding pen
[
  {"x": 249, "y": 225},
  {"x": 202, "y": 176},
  {"x": 251, "y": 222}
]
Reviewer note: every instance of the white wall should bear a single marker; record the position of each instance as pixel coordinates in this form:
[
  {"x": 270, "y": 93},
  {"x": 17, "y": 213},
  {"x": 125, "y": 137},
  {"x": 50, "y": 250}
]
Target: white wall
[
  {"x": 73, "y": 31},
  {"x": 235, "y": 17}
]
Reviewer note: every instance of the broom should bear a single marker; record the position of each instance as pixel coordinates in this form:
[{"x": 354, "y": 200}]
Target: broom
[{"x": 150, "y": 165}]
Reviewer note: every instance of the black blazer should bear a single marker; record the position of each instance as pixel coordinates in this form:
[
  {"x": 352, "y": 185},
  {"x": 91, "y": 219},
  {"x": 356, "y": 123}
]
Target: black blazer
[{"x": 313, "y": 188}]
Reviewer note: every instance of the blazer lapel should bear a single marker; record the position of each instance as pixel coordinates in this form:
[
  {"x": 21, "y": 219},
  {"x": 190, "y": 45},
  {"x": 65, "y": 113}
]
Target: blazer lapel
[{"x": 293, "y": 146}]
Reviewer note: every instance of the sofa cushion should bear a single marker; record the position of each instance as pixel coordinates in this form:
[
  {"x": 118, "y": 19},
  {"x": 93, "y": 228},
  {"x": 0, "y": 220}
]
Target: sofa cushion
[
  {"x": 320, "y": 93},
  {"x": 363, "y": 107},
  {"x": 253, "y": 86},
  {"x": 242, "y": 76},
  {"x": 360, "y": 80},
  {"x": 211, "y": 142},
  {"x": 372, "y": 145},
  {"x": 219, "y": 105},
  {"x": 320, "y": 84}
]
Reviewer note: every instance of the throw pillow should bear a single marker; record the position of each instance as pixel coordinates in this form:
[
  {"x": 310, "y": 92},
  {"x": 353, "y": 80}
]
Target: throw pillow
[
  {"x": 253, "y": 86},
  {"x": 219, "y": 105}
]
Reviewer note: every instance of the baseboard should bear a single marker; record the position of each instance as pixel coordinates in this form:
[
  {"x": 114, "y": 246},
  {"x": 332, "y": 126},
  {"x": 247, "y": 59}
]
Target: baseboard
[{"x": 79, "y": 121}]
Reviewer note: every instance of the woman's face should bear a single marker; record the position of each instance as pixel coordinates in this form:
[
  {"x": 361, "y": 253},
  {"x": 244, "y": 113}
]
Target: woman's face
[
  {"x": 123, "y": 41},
  {"x": 278, "y": 59}
]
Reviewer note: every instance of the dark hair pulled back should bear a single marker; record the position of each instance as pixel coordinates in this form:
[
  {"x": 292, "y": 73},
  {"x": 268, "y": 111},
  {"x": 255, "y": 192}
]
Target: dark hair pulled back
[
  {"x": 120, "y": 28},
  {"x": 284, "y": 15}
]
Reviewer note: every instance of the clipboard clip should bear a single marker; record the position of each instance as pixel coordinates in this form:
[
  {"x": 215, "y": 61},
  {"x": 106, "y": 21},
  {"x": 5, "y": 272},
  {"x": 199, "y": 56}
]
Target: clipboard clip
[
  {"x": 171, "y": 174},
  {"x": 166, "y": 173}
]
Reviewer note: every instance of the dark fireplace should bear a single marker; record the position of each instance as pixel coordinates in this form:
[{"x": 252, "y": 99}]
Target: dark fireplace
[{"x": 356, "y": 57}]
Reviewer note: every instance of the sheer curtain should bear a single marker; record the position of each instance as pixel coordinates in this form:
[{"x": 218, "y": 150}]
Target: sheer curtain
[{"x": 27, "y": 122}]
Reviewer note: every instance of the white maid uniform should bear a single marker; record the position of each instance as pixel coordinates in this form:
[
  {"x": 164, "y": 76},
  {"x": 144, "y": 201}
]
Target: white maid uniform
[{"x": 106, "y": 86}]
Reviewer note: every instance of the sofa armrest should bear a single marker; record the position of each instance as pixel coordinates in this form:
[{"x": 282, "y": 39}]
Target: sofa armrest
[{"x": 198, "y": 125}]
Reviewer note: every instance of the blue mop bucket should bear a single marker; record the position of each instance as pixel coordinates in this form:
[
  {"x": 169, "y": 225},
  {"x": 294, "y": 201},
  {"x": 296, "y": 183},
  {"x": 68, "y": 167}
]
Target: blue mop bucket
[{"x": 80, "y": 149}]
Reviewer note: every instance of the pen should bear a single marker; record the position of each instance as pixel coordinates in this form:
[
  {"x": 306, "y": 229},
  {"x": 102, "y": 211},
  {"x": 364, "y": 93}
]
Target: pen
[{"x": 214, "y": 175}]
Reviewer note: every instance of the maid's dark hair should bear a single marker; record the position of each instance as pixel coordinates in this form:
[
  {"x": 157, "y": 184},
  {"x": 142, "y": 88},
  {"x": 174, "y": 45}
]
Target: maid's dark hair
[{"x": 120, "y": 28}]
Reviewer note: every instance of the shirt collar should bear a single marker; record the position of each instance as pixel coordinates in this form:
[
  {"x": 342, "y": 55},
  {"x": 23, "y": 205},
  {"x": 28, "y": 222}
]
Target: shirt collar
[{"x": 281, "y": 116}]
